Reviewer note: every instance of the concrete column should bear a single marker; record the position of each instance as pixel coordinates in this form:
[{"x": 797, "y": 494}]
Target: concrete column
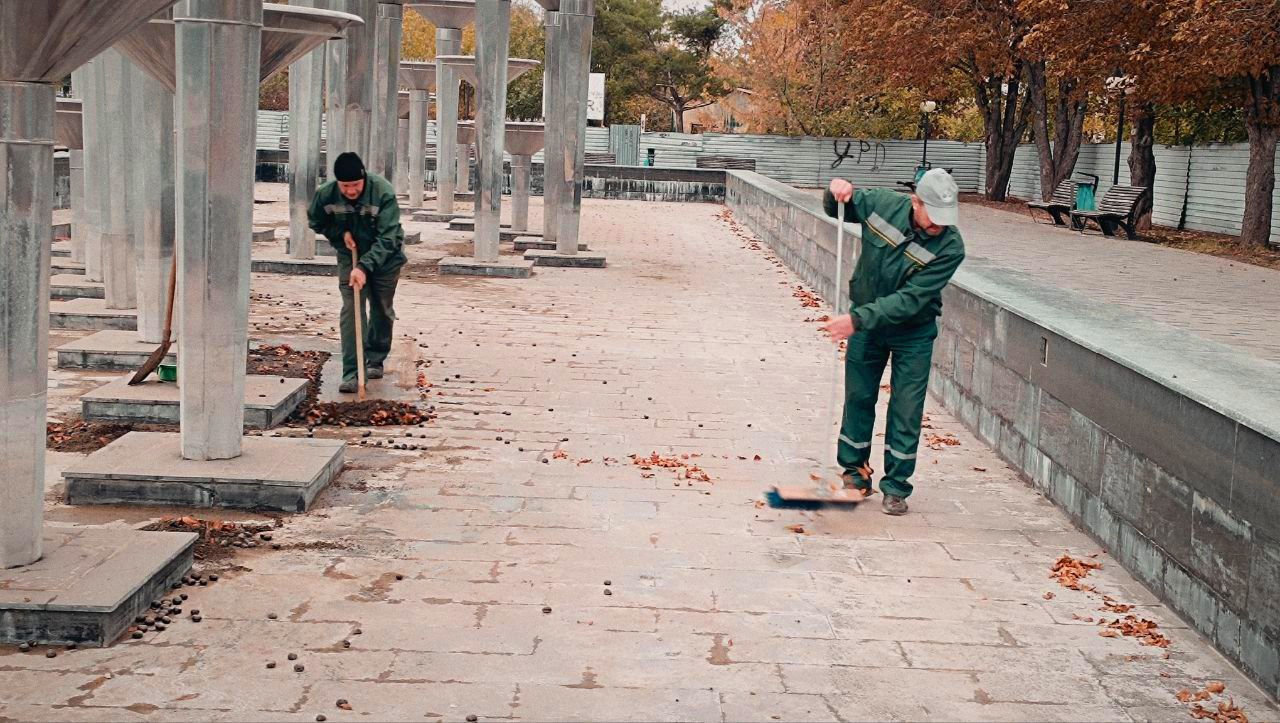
[
  {"x": 520, "y": 192},
  {"x": 386, "y": 53},
  {"x": 119, "y": 265},
  {"x": 91, "y": 121},
  {"x": 552, "y": 157},
  {"x": 217, "y": 102},
  {"x": 493, "y": 29},
  {"x": 417, "y": 137},
  {"x": 152, "y": 197},
  {"x": 306, "y": 85},
  {"x": 356, "y": 76},
  {"x": 401, "y": 179},
  {"x": 335, "y": 94},
  {"x": 463, "y": 174},
  {"x": 448, "y": 42},
  {"x": 26, "y": 213},
  {"x": 574, "y": 58},
  {"x": 76, "y": 164}
]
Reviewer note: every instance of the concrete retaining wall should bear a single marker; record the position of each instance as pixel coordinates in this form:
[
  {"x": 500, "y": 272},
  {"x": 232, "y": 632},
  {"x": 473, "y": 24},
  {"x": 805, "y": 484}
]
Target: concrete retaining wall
[
  {"x": 619, "y": 182},
  {"x": 1163, "y": 446}
]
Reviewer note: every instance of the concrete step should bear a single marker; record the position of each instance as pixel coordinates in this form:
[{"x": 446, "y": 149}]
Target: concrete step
[
  {"x": 109, "y": 350},
  {"x": 551, "y": 258},
  {"x": 74, "y": 286},
  {"x": 66, "y": 266},
  {"x": 505, "y": 267},
  {"x": 537, "y": 243},
  {"x": 268, "y": 401}
]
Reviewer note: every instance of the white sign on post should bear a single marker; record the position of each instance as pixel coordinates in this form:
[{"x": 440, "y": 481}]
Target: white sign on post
[{"x": 595, "y": 97}]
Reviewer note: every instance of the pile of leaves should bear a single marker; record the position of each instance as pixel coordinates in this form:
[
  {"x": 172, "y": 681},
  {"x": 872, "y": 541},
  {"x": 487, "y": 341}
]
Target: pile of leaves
[
  {"x": 1224, "y": 712},
  {"x": 219, "y": 539},
  {"x": 1069, "y": 571},
  {"x": 808, "y": 299},
  {"x": 369, "y": 413},
  {"x": 1131, "y": 626},
  {"x": 684, "y": 469},
  {"x": 938, "y": 442}
]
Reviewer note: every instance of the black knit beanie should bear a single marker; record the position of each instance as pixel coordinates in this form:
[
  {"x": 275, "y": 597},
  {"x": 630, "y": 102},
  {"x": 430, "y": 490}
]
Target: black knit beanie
[{"x": 348, "y": 167}]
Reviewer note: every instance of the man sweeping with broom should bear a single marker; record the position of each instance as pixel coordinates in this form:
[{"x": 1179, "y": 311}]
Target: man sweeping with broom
[
  {"x": 910, "y": 250},
  {"x": 358, "y": 212}
]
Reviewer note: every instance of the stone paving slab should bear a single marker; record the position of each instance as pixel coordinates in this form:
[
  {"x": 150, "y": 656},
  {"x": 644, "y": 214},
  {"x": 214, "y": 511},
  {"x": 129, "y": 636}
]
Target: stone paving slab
[
  {"x": 689, "y": 342},
  {"x": 90, "y": 315},
  {"x": 89, "y": 584},
  {"x": 147, "y": 468},
  {"x": 268, "y": 401},
  {"x": 437, "y": 217},
  {"x": 109, "y": 350},
  {"x": 527, "y": 242}
]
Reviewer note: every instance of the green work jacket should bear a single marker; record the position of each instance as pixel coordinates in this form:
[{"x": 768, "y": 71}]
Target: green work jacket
[
  {"x": 373, "y": 220},
  {"x": 900, "y": 275}
]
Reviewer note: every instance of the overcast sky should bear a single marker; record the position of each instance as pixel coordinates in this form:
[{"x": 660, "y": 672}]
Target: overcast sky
[{"x": 682, "y": 4}]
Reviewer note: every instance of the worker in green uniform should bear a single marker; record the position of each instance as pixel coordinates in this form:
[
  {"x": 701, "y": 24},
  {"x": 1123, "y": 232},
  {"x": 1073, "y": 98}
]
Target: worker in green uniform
[
  {"x": 358, "y": 211},
  {"x": 910, "y": 249}
]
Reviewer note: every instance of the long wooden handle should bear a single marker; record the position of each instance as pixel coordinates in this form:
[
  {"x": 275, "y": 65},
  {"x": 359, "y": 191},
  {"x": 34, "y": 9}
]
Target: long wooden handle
[
  {"x": 168, "y": 310},
  {"x": 359, "y": 340}
]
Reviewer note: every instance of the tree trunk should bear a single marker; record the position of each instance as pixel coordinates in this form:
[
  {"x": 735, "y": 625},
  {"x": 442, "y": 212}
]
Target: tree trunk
[
  {"x": 1262, "y": 122},
  {"x": 1057, "y": 160},
  {"x": 1004, "y": 123},
  {"x": 1142, "y": 160}
]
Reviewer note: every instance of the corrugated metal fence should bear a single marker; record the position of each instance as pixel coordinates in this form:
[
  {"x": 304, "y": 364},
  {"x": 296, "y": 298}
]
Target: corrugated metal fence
[{"x": 1214, "y": 194}]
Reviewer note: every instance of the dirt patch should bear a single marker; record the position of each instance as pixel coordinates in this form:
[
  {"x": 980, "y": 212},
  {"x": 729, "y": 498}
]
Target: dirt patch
[
  {"x": 1012, "y": 204},
  {"x": 369, "y": 413},
  {"x": 285, "y": 361},
  {"x": 77, "y": 435},
  {"x": 219, "y": 539},
  {"x": 1213, "y": 244}
]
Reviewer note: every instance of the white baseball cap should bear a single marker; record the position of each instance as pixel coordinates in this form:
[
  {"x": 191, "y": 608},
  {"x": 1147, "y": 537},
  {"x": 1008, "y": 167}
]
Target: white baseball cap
[{"x": 941, "y": 197}]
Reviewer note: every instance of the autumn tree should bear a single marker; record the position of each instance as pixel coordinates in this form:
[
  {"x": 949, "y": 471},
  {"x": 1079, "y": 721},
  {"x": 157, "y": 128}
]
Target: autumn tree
[
  {"x": 917, "y": 43},
  {"x": 1231, "y": 51}
]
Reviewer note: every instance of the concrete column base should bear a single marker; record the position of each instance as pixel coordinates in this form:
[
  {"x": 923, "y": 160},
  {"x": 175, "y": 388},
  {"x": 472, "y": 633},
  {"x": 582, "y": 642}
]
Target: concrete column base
[
  {"x": 268, "y": 401},
  {"x": 90, "y": 315},
  {"x": 74, "y": 286},
  {"x": 437, "y": 217},
  {"x": 263, "y": 235},
  {"x": 504, "y": 268},
  {"x": 551, "y": 258},
  {"x": 66, "y": 266},
  {"x": 109, "y": 350},
  {"x": 90, "y": 584},
  {"x": 60, "y": 249},
  {"x": 537, "y": 243},
  {"x": 147, "y": 468}
]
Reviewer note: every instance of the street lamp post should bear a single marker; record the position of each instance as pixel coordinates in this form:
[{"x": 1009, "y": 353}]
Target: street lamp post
[
  {"x": 926, "y": 107},
  {"x": 1121, "y": 85}
]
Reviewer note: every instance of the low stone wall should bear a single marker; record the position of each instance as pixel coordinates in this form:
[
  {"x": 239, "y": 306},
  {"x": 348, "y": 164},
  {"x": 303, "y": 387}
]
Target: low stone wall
[
  {"x": 1163, "y": 446},
  {"x": 621, "y": 182}
]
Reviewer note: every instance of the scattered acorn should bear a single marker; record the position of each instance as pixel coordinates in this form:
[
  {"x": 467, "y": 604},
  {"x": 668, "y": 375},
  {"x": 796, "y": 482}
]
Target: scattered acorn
[
  {"x": 546, "y": 609},
  {"x": 271, "y": 664},
  {"x": 51, "y": 653},
  {"x": 293, "y": 656},
  {"x": 298, "y": 668}
]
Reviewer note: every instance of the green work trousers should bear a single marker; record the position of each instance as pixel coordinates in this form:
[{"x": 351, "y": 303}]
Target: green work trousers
[
  {"x": 909, "y": 352},
  {"x": 376, "y": 317}
]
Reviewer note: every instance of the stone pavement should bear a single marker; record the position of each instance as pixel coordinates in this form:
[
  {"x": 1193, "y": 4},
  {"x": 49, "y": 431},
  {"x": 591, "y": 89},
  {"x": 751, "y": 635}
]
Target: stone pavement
[
  {"x": 1218, "y": 299},
  {"x": 520, "y": 567}
]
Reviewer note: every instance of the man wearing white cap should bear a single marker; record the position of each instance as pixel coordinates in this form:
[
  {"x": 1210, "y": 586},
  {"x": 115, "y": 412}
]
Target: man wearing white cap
[{"x": 910, "y": 250}]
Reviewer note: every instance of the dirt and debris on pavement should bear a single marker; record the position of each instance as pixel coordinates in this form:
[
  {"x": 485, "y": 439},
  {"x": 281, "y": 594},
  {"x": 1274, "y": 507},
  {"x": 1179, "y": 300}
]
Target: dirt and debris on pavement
[
  {"x": 283, "y": 360},
  {"x": 77, "y": 435},
  {"x": 369, "y": 413},
  {"x": 221, "y": 539}
]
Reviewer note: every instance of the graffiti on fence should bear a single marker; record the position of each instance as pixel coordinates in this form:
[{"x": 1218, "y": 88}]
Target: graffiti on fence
[{"x": 879, "y": 154}]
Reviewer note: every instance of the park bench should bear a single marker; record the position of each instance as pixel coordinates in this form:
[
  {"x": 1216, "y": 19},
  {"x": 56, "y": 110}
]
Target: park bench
[
  {"x": 600, "y": 159},
  {"x": 1059, "y": 204},
  {"x": 726, "y": 162},
  {"x": 1118, "y": 207}
]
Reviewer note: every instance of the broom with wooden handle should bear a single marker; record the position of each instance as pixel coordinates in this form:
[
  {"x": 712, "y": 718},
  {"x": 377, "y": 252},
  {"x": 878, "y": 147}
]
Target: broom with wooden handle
[
  {"x": 359, "y": 340},
  {"x": 161, "y": 351}
]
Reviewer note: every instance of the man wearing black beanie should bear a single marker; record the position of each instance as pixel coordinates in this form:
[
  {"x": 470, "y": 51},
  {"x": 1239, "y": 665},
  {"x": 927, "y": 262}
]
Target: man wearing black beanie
[{"x": 358, "y": 211}]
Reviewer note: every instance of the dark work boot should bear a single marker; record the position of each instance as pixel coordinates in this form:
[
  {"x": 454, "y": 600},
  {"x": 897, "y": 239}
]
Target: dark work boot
[
  {"x": 373, "y": 371},
  {"x": 894, "y": 505},
  {"x": 350, "y": 386}
]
